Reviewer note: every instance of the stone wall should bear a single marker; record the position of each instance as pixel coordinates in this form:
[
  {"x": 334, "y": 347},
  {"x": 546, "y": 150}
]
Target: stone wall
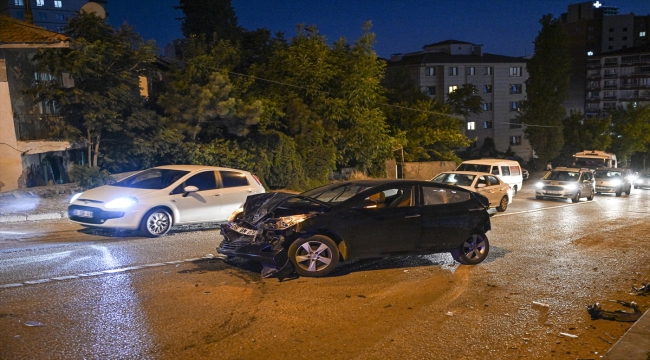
[{"x": 417, "y": 170}]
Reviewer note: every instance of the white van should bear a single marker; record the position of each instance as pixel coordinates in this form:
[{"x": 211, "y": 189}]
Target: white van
[{"x": 508, "y": 170}]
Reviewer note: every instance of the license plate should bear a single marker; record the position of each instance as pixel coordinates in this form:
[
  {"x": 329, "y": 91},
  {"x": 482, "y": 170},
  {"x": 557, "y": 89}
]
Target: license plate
[
  {"x": 600, "y": 188},
  {"x": 553, "y": 192},
  {"x": 82, "y": 213},
  {"x": 243, "y": 230}
]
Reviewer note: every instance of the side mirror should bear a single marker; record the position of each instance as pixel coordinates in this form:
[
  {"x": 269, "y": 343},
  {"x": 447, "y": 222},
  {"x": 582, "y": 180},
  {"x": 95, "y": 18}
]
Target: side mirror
[{"x": 189, "y": 189}]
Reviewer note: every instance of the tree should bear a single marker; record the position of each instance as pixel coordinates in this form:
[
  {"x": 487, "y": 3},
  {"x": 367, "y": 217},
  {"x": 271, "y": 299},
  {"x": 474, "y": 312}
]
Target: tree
[
  {"x": 583, "y": 134},
  {"x": 465, "y": 101},
  {"x": 630, "y": 131},
  {"x": 546, "y": 89},
  {"x": 106, "y": 65},
  {"x": 210, "y": 19}
]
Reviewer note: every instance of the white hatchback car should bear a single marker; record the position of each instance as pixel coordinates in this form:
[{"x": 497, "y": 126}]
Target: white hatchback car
[
  {"x": 155, "y": 199},
  {"x": 491, "y": 186}
]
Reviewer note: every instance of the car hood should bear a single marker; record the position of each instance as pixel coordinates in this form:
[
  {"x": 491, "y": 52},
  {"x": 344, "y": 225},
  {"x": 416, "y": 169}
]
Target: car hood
[
  {"x": 109, "y": 192},
  {"x": 258, "y": 206}
]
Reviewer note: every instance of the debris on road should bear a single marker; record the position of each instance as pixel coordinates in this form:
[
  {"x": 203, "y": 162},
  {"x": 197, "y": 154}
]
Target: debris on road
[
  {"x": 643, "y": 290},
  {"x": 33, "y": 323},
  {"x": 597, "y": 312},
  {"x": 540, "y": 304},
  {"x": 605, "y": 340},
  {"x": 568, "y": 335},
  {"x": 449, "y": 313}
]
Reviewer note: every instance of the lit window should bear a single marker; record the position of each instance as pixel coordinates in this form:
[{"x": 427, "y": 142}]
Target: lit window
[
  {"x": 58, "y": 3},
  {"x": 453, "y": 71},
  {"x": 515, "y": 88},
  {"x": 487, "y": 89},
  {"x": 471, "y": 125},
  {"x": 488, "y": 70},
  {"x": 430, "y": 71},
  {"x": 40, "y": 2},
  {"x": 487, "y": 124},
  {"x": 487, "y": 106},
  {"x": 470, "y": 70},
  {"x": 515, "y": 140},
  {"x": 453, "y": 88},
  {"x": 590, "y": 53},
  {"x": 641, "y": 33},
  {"x": 430, "y": 90},
  {"x": 514, "y": 106},
  {"x": 19, "y": 2},
  {"x": 515, "y": 71}
]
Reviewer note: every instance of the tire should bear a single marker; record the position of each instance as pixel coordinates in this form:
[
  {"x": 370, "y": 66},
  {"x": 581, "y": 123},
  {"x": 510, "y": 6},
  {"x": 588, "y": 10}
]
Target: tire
[
  {"x": 473, "y": 251},
  {"x": 591, "y": 197},
  {"x": 538, "y": 197},
  {"x": 503, "y": 204},
  {"x": 576, "y": 198},
  {"x": 618, "y": 193},
  {"x": 156, "y": 222},
  {"x": 629, "y": 190},
  {"x": 514, "y": 190},
  {"x": 315, "y": 256}
]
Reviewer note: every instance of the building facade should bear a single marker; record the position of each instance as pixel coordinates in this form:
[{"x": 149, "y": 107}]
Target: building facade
[
  {"x": 49, "y": 14},
  {"x": 594, "y": 29},
  {"x": 444, "y": 67}
]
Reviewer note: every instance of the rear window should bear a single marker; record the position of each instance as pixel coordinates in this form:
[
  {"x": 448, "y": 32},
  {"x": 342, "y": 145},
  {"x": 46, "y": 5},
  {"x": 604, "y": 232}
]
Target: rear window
[
  {"x": 515, "y": 170},
  {"x": 438, "y": 196},
  {"x": 562, "y": 176},
  {"x": 233, "y": 179}
]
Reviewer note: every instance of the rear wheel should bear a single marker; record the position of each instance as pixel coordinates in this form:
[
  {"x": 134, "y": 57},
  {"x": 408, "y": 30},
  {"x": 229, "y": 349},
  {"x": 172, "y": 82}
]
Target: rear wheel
[
  {"x": 619, "y": 192},
  {"x": 629, "y": 190},
  {"x": 315, "y": 256},
  {"x": 576, "y": 198},
  {"x": 503, "y": 204},
  {"x": 156, "y": 222},
  {"x": 473, "y": 251}
]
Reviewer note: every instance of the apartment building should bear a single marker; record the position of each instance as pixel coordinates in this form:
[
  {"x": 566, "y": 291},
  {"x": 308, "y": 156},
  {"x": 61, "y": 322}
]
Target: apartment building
[
  {"x": 49, "y": 14},
  {"x": 595, "y": 29},
  {"x": 617, "y": 78},
  {"x": 445, "y": 66}
]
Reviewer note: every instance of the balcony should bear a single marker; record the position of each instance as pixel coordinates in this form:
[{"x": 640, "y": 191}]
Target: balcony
[
  {"x": 610, "y": 75},
  {"x": 610, "y": 97},
  {"x": 35, "y": 126},
  {"x": 610, "y": 86}
]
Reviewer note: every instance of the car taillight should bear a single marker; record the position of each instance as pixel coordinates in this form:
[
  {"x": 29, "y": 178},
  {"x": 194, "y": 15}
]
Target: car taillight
[{"x": 257, "y": 179}]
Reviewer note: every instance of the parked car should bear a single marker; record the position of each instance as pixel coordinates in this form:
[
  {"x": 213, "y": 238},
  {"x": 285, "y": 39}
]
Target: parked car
[
  {"x": 155, "y": 199},
  {"x": 524, "y": 173},
  {"x": 491, "y": 186},
  {"x": 566, "y": 183},
  {"x": 613, "y": 180},
  {"x": 643, "y": 181},
  {"x": 509, "y": 170},
  {"x": 311, "y": 232}
]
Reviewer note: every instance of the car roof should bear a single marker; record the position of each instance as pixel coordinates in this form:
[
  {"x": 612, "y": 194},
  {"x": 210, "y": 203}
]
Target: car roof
[
  {"x": 194, "y": 168},
  {"x": 562, "y": 168},
  {"x": 478, "y": 173},
  {"x": 490, "y": 161}
]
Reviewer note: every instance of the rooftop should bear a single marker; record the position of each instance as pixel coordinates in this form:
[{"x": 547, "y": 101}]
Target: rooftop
[{"x": 16, "y": 34}]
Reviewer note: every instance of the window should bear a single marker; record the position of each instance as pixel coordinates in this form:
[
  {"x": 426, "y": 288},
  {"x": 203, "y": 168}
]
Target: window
[
  {"x": 60, "y": 17},
  {"x": 488, "y": 70},
  {"x": 515, "y": 71},
  {"x": 471, "y": 70},
  {"x": 487, "y": 89},
  {"x": 590, "y": 53},
  {"x": 611, "y": 39},
  {"x": 487, "y": 106},
  {"x": 204, "y": 181},
  {"x": 610, "y": 48},
  {"x": 611, "y": 29},
  {"x": 430, "y": 71},
  {"x": 515, "y": 88},
  {"x": 515, "y": 140},
  {"x": 58, "y": 3},
  {"x": 471, "y": 125},
  {"x": 641, "y": 33},
  {"x": 453, "y": 88},
  {"x": 20, "y": 15},
  {"x": 42, "y": 15},
  {"x": 487, "y": 124},
  {"x": 515, "y": 123},
  {"x": 437, "y": 196},
  {"x": 233, "y": 179},
  {"x": 40, "y": 2},
  {"x": 430, "y": 90},
  {"x": 514, "y": 106},
  {"x": 390, "y": 198},
  {"x": 19, "y": 2},
  {"x": 624, "y": 29},
  {"x": 505, "y": 170},
  {"x": 453, "y": 71}
]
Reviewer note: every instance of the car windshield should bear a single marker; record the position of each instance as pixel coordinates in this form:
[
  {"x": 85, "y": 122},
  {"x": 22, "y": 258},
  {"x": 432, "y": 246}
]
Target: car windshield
[
  {"x": 474, "y": 167},
  {"x": 562, "y": 175},
  {"x": 452, "y": 178},
  {"x": 604, "y": 174},
  {"x": 590, "y": 162},
  {"x": 152, "y": 179},
  {"x": 335, "y": 193}
]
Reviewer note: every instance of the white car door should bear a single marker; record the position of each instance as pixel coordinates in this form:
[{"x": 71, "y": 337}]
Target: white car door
[
  {"x": 203, "y": 205},
  {"x": 235, "y": 188},
  {"x": 484, "y": 188}
]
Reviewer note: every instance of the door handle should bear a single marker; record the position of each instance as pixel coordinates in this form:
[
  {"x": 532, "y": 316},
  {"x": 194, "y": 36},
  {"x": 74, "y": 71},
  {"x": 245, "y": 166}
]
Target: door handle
[
  {"x": 412, "y": 216},
  {"x": 250, "y": 190}
]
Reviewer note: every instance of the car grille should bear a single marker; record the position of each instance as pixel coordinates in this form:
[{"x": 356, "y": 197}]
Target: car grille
[
  {"x": 553, "y": 188},
  {"x": 233, "y": 245}
]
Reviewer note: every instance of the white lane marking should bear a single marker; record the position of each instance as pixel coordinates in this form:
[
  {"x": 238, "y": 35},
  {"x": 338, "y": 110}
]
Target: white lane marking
[
  {"x": 105, "y": 272},
  {"x": 544, "y": 208}
]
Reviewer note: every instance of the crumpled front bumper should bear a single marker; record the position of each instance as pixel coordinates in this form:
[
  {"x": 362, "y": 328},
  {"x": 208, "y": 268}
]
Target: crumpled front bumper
[{"x": 252, "y": 247}]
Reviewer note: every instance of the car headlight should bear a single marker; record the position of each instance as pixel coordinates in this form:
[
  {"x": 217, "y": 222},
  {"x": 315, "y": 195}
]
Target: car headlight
[
  {"x": 75, "y": 197},
  {"x": 235, "y": 213},
  {"x": 121, "y": 203},
  {"x": 616, "y": 182},
  {"x": 286, "y": 222},
  {"x": 539, "y": 185},
  {"x": 639, "y": 181}
]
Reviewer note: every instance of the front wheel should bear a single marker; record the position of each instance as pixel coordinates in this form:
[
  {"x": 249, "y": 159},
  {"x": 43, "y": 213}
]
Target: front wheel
[
  {"x": 591, "y": 196},
  {"x": 503, "y": 204},
  {"x": 473, "y": 251},
  {"x": 156, "y": 222},
  {"x": 619, "y": 193},
  {"x": 629, "y": 190},
  {"x": 315, "y": 256},
  {"x": 576, "y": 198}
]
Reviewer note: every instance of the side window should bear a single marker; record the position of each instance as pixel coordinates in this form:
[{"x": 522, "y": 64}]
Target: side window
[
  {"x": 515, "y": 170},
  {"x": 403, "y": 197},
  {"x": 204, "y": 181},
  {"x": 505, "y": 171},
  {"x": 481, "y": 180},
  {"x": 438, "y": 196},
  {"x": 495, "y": 170},
  {"x": 493, "y": 180},
  {"x": 233, "y": 179}
]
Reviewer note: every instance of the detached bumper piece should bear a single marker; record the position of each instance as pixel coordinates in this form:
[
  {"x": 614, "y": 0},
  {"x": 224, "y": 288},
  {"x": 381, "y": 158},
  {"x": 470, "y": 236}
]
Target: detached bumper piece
[
  {"x": 92, "y": 215},
  {"x": 597, "y": 312}
]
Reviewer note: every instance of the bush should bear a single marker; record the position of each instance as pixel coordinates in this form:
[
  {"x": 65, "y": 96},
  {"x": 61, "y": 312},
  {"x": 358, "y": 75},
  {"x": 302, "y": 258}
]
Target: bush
[{"x": 90, "y": 177}]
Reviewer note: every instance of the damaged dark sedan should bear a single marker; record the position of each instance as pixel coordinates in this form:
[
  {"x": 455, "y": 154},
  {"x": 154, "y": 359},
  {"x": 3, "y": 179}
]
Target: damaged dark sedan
[{"x": 310, "y": 233}]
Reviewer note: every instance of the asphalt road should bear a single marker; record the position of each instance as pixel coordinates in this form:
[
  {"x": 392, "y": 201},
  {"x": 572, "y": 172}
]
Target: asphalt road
[{"x": 103, "y": 294}]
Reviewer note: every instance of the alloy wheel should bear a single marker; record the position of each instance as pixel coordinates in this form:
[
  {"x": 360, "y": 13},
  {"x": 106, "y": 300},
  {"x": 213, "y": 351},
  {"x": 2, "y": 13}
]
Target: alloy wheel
[{"x": 313, "y": 256}]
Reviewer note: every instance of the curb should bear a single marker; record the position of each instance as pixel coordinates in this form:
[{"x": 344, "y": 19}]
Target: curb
[
  {"x": 31, "y": 217},
  {"x": 634, "y": 344}
]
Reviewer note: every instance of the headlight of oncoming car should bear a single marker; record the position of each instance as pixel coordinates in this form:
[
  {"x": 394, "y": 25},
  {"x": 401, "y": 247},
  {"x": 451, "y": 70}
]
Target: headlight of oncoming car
[
  {"x": 616, "y": 182},
  {"x": 75, "y": 197},
  {"x": 571, "y": 187},
  {"x": 539, "y": 185},
  {"x": 235, "y": 213},
  {"x": 121, "y": 203},
  {"x": 286, "y": 222}
]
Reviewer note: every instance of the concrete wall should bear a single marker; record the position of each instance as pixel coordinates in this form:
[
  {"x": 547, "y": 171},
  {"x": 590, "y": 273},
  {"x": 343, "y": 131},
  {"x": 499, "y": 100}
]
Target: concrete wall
[
  {"x": 10, "y": 162},
  {"x": 418, "y": 170}
]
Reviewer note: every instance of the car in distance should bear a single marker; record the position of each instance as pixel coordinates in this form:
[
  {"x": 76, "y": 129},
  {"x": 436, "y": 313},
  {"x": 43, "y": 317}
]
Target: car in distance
[
  {"x": 491, "y": 186},
  {"x": 613, "y": 180},
  {"x": 508, "y": 170},
  {"x": 155, "y": 199},
  {"x": 643, "y": 181},
  {"x": 566, "y": 183},
  {"x": 309, "y": 233},
  {"x": 524, "y": 173}
]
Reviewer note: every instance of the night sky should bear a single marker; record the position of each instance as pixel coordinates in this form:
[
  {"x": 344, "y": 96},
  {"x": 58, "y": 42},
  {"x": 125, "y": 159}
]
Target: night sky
[{"x": 506, "y": 27}]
